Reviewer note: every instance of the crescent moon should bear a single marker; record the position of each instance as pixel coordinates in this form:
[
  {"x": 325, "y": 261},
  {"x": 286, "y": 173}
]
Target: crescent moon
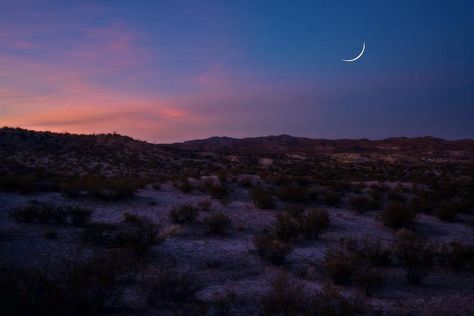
[{"x": 358, "y": 56}]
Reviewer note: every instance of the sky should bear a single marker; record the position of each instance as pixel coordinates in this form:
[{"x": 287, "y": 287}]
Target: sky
[{"x": 168, "y": 71}]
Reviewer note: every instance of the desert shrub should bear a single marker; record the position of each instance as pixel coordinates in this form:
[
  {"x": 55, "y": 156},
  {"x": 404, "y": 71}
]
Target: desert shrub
[
  {"x": 363, "y": 203},
  {"x": 397, "y": 215},
  {"x": 99, "y": 233},
  {"x": 271, "y": 248},
  {"x": 183, "y": 214},
  {"x": 130, "y": 218},
  {"x": 328, "y": 301},
  {"x": 416, "y": 257},
  {"x": 460, "y": 256},
  {"x": 25, "y": 214},
  {"x": 395, "y": 195},
  {"x": 217, "y": 223},
  {"x": 290, "y": 298},
  {"x": 80, "y": 216},
  {"x": 262, "y": 198},
  {"x": 313, "y": 222},
  {"x": 340, "y": 265},
  {"x": 168, "y": 286},
  {"x": 294, "y": 193},
  {"x": 73, "y": 287},
  {"x": 330, "y": 198},
  {"x": 405, "y": 234},
  {"x": 184, "y": 185},
  {"x": 421, "y": 203},
  {"x": 48, "y": 213},
  {"x": 137, "y": 235},
  {"x": 285, "y": 297},
  {"x": 140, "y": 235},
  {"x": 112, "y": 188},
  {"x": 219, "y": 191},
  {"x": 204, "y": 205},
  {"x": 374, "y": 252},
  {"x": 286, "y": 227},
  {"x": 222, "y": 304},
  {"x": 368, "y": 279},
  {"x": 447, "y": 211},
  {"x": 246, "y": 182}
]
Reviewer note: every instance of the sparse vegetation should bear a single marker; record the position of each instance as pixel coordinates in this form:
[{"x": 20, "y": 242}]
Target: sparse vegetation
[
  {"x": 183, "y": 214},
  {"x": 416, "y": 257},
  {"x": 262, "y": 198},
  {"x": 217, "y": 223},
  {"x": 397, "y": 215},
  {"x": 271, "y": 248}
]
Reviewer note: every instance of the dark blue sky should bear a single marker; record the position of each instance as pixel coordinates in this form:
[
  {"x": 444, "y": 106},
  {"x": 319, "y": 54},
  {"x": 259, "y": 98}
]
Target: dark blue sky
[{"x": 175, "y": 70}]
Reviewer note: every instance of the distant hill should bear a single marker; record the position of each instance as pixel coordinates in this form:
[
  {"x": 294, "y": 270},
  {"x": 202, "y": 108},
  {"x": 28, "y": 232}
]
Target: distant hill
[{"x": 290, "y": 144}]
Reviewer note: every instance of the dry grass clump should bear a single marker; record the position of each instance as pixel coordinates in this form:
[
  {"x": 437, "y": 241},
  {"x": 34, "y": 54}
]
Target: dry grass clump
[
  {"x": 49, "y": 213},
  {"x": 168, "y": 287},
  {"x": 294, "y": 194},
  {"x": 363, "y": 203},
  {"x": 112, "y": 188},
  {"x": 308, "y": 224},
  {"x": 416, "y": 257},
  {"x": 397, "y": 215},
  {"x": 183, "y": 214},
  {"x": 73, "y": 287},
  {"x": 137, "y": 233},
  {"x": 262, "y": 198},
  {"x": 217, "y": 223},
  {"x": 270, "y": 248},
  {"x": 290, "y": 297},
  {"x": 354, "y": 262}
]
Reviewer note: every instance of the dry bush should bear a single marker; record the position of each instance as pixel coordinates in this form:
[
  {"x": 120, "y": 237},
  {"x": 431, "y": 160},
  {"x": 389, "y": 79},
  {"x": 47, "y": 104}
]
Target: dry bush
[
  {"x": 368, "y": 279},
  {"x": 294, "y": 193},
  {"x": 447, "y": 211},
  {"x": 397, "y": 215},
  {"x": 271, "y": 248},
  {"x": 183, "y": 214},
  {"x": 313, "y": 223},
  {"x": 217, "y": 224},
  {"x": 168, "y": 287},
  {"x": 73, "y": 288},
  {"x": 331, "y": 198},
  {"x": 363, "y": 203},
  {"x": 340, "y": 265},
  {"x": 460, "y": 256},
  {"x": 354, "y": 262},
  {"x": 49, "y": 213},
  {"x": 204, "y": 205},
  {"x": 286, "y": 297},
  {"x": 329, "y": 301},
  {"x": 416, "y": 257},
  {"x": 262, "y": 198},
  {"x": 137, "y": 233},
  {"x": 290, "y": 298},
  {"x": 286, "y": 227},
  {"x": 80, "y": 216}
]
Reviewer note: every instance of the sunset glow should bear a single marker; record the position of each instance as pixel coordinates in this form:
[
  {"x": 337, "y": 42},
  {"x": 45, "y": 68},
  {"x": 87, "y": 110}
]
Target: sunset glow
[{"x": 171, "y": 71}]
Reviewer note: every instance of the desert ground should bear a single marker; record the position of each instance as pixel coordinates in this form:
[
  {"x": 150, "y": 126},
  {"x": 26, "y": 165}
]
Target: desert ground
[{"x": 105, "y": 224}]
